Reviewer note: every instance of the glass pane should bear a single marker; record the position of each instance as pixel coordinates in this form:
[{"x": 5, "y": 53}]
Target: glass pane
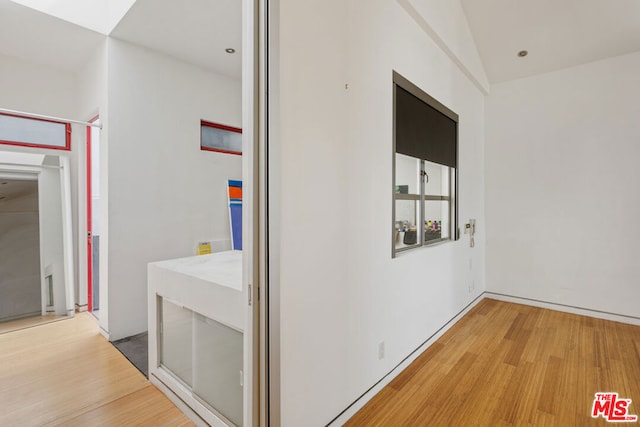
[
  {"x": 407, "y": 175},
  {"x": 407, "y": 214},
  {"x": 438, "y": 179},
  {"x": 218, "y": 367},
  {"x": 221, "y": 138},
  {"x": 436, "y": 223},
  {"x": 177, "y": 340},
  {"x": 23, "y": 130}
]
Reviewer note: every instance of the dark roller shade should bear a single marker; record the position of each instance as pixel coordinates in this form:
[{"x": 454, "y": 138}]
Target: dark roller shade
[{"x": 424, "y": 132}]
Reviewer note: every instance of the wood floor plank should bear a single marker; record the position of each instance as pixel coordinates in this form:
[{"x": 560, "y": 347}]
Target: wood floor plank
[
  {"x": 54, "y": 373},
  {"x": 509, "y": 364},
  {"x": 144, "y": 407},
  {"x": 549, "y": 399},
  {"x": 401, "y": 380}
]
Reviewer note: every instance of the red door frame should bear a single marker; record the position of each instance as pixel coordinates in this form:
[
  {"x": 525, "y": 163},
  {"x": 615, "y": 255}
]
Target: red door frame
[{"x": 89, "y": 222}]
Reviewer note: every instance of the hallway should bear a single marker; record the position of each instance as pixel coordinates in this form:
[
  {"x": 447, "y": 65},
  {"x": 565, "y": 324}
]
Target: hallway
[{"x": 66, "y": 373}]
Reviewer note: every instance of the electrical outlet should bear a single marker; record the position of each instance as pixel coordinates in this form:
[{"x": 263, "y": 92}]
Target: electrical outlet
[{"x": 381, "y": 350}]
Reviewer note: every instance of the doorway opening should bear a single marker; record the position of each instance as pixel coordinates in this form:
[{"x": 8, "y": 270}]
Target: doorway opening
[
  {"x": 36, "y": 285},
  {"x": 20, "y": 285}
]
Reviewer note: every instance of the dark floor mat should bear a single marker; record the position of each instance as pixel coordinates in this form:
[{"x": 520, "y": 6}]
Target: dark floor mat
[{"x": 135, "y": 348}]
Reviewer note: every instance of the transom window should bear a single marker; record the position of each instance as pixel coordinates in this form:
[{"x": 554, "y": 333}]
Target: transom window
[
  {"x": 34, "y": 132},
  {"x": 220, "y": 138}
]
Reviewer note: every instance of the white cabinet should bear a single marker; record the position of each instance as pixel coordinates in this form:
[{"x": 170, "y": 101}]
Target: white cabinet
[{"x": 196, "y": 335}]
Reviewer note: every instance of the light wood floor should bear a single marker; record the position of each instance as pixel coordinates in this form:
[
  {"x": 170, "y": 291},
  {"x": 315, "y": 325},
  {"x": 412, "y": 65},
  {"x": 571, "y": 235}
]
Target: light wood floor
[
  {"x": 510, "y": 364},
  {"x": 66, "y": 374}
]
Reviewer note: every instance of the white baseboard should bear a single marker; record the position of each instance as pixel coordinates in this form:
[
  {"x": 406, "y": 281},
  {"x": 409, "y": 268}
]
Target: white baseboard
[
  {"x": 369, "y": 394},
  {"x": 565, "y": 308},
  {"x": 104, "y": 333}
]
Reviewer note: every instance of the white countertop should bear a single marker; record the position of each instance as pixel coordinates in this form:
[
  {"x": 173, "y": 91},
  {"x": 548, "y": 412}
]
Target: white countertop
[
  {"x": 207, "y": 284},
  {"x": 222, "y": 268}
]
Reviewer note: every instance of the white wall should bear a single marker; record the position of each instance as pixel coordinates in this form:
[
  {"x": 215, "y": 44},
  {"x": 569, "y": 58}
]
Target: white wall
[
  {"x": 341, "y": 292},
  {"x": 562, "y": 186},
  {"x": 445, "y": 21},
  {"x": 36, "y": 88},
  {"x": 19, "y": 257},
  {"x": 164, "y": 194},
  {"x": 51, "y": 226}
]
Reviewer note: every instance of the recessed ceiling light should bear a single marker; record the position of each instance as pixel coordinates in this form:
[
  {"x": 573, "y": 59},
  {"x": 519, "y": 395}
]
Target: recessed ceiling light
[
  {"x": 230, "y": 50},
  {"x": 523, "y": 53}
]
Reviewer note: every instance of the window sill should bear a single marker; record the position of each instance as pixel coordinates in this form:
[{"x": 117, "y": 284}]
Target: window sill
[{"x": 428, "y": 244}]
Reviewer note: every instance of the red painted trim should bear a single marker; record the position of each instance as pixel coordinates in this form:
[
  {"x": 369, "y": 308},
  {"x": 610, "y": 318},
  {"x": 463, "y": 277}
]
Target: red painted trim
[
  {"x": 219, "y": 126},
  {"x": 46, "y": 147},
  {"x": 67, "y": 146},
  {"x": 89, "y": 219},
  {"x": 89, "y": 226},
  {"x": 217, "y": 150},
  {"x": 223, "y": 127}
]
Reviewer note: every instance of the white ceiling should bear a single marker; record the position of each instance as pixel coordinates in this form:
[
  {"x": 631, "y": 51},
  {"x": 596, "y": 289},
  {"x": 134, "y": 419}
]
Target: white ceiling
[
  {"x": 557, "y": 33},
  {"x": 195, "y": 31},
  {"x": 11, "y": 189},
  {"x": 97, "y": 15}
]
